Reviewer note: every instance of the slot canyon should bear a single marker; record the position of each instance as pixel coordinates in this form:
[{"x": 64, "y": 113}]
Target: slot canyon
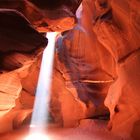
[{"x": 94, "y": 87}]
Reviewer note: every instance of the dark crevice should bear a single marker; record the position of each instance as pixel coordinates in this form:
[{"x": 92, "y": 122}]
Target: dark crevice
[
  {"x": 105, "y": 16},
  {"x": 100, "y": 117},
  {"x": 122, "y": 60}
]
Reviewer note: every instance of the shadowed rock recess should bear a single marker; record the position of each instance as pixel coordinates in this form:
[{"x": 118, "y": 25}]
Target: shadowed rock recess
[{"x": 96, "y": 72}]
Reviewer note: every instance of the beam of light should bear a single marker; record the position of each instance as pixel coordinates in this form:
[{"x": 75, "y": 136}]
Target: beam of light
[{"x": 40, "y": 110}]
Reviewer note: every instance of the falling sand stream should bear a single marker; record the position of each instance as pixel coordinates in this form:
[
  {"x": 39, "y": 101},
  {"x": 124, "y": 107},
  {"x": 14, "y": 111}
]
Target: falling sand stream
[{"x": 40, "y": 110}]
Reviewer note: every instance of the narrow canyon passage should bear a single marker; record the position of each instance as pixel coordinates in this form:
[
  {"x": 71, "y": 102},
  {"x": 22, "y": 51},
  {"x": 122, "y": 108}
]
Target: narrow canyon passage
[{"x": 93, "y": 92}]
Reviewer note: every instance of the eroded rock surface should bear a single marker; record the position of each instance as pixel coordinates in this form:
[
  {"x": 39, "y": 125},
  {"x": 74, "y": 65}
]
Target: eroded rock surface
[
  {"x": 120, "y": 35},
  {"x": 46, "y": 15},
  {"x": 97, "y": 60},
  {"x": 84, "y": 79},
  {"x": 16, "y": 101},
  {"x": 114, "y": 27},
  {"x": 17, "y": 34},
  {"x": 19, "y": 52}
]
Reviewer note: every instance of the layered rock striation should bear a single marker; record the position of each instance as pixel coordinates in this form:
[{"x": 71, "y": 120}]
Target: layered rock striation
[{"x": 96, "y": 61}]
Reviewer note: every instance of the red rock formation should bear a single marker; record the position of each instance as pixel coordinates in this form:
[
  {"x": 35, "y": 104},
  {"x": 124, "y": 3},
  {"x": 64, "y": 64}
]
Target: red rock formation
[
  {"x": 17, "y": 33},
  {"x": 101, "y": 52},
  {"x": 121, "y": 40},
  {"x": 84, "y": 79},
  {"x": 120, "y": 36},
  {"x": 18, "y": 40},
  {"x": 42, "y": 14}
]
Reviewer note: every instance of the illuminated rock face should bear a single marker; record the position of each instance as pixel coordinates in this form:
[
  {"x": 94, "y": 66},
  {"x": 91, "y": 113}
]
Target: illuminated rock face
[
  {"x": 46, "y": 15},
  {"x": 96, "y": 62},
  {"x": 85, "y": 78},
  {"x": 20, "y": 46},
  {"x": 120, "y": 35},
  {"x": 118, "y": 31},
  {"x": 17, "y": 93}
]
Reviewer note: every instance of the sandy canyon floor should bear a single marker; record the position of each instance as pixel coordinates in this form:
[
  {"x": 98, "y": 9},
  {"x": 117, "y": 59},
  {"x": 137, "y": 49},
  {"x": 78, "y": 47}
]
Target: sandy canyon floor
[{"x": 88, "y": 130}]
